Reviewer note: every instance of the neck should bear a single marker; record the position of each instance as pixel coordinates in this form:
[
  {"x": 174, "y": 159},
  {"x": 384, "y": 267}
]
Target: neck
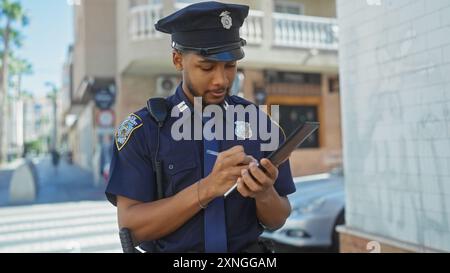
[{"x": 187, "y": 93}]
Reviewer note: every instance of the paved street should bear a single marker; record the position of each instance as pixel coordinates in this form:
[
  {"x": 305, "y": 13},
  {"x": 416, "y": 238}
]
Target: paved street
[
  {"x": 69, "y": 215},
  {"x": 86, "y": 226}
]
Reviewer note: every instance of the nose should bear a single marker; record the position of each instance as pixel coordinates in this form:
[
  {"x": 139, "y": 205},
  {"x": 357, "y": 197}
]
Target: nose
[{"x": 220, "y": 78}]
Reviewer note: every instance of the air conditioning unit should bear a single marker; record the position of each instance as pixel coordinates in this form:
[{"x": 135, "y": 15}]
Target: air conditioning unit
[{"x": 166, "y": 85}]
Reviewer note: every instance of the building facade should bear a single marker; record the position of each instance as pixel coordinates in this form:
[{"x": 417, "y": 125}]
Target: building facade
[
  {"x": 89, "y": 86},
  {"x": 291, "y": 61}
]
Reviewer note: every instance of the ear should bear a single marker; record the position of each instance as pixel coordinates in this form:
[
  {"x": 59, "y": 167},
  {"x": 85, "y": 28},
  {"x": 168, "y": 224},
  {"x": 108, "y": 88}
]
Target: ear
[{"x": 177, "y": 59}]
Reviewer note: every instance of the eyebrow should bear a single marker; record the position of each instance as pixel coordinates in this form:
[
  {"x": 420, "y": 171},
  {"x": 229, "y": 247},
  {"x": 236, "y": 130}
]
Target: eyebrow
[{"x": 206, "y": 61}]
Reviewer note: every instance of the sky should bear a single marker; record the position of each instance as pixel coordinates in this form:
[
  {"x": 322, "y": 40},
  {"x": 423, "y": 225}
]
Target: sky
[{"x": 46, "y": 40}]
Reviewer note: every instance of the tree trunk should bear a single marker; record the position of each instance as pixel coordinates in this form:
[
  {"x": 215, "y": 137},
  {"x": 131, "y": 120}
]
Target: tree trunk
[
  {"x": 2, "y": 117},
  {"x": 19, "y": 117},
  {"x": 4, "y": 94}
]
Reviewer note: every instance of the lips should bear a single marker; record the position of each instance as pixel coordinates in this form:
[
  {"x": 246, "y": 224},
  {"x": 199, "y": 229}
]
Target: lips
[{"x": 218, "y": 93}]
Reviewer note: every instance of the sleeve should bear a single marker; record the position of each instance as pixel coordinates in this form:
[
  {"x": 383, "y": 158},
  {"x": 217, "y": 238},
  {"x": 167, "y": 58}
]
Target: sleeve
[
  {"x": 284, "y": 184},
  {"x": 131, "y": 171}
]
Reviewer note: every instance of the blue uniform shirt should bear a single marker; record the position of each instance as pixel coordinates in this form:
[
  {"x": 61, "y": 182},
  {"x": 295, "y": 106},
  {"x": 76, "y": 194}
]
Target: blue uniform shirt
[{"x": 132, "y": 176}]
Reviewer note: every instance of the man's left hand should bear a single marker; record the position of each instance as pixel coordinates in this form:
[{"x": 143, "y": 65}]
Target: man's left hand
[{"x": 258, "y": 185}]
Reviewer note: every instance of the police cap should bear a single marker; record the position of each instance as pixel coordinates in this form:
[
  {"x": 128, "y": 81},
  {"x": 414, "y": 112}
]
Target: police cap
[{"x": 210, "y": 29}]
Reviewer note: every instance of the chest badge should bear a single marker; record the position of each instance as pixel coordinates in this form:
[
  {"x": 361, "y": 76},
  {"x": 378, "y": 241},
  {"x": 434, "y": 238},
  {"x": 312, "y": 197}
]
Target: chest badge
[{"x": 243, "y": 130}]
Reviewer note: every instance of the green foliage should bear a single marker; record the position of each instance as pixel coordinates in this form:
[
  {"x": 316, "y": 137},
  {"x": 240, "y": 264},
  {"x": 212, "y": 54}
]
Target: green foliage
[
  {"x": 20, "y": 66},
  {"x": 36, "y": 146},
  {"x": 12, "y": 15}
]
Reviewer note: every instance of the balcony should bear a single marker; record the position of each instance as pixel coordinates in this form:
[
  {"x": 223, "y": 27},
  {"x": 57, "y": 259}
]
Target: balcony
[
  {"x": 142, "y": 20},
  {"x": 292, "y": 31},
  {"x": 274, "y": 40},
  {"x": 305, "y": 31}
]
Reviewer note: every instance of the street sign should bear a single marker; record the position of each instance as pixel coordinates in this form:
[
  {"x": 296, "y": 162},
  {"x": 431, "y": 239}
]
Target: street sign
[
  {"x": 104, "y": 97},
  {"x": 105, "y": 118}
]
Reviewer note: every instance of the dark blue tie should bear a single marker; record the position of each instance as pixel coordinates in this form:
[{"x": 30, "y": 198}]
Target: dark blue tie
[{"x": 215, "y": 226}]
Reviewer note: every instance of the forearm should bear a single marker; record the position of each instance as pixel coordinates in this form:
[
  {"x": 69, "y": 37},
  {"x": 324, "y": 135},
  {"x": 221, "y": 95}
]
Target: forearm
[
  {"x": 272, "y": 210},
  {"x": 150, "y": 221}
]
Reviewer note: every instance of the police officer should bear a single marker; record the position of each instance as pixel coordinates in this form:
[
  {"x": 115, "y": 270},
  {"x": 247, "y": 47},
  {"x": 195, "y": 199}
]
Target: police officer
[{"x": 194, "y": 215}]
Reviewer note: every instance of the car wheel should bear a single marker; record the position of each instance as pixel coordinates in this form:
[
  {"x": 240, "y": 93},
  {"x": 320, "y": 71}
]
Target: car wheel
[{"x": 340, "y": 220}]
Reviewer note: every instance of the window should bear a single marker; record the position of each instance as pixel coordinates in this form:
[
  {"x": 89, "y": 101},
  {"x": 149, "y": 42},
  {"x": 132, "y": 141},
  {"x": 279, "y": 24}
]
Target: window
[
  {"x": 292, "y": 77},
  {"x": 333, "y": 85},
  {"x": 291, "y": 116},
  {"x": 289, "y": 7}
]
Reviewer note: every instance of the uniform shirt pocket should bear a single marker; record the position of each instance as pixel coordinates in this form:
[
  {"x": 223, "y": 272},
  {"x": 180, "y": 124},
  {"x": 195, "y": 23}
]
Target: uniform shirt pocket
[{"x": 180, "y": 173}]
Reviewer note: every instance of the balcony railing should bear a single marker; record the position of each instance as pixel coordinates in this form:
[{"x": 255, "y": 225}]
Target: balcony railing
[
  {"x": 305, "y": 31},
  {"x": 288, "y": 30},
  {"x": 141, "y": 22},
  {"x": 252, "y": 29}
]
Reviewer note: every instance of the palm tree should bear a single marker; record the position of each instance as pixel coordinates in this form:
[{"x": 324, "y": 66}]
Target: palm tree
[
  {"x": 18, "y": 68},
  {"x": 11, "y": 14}
]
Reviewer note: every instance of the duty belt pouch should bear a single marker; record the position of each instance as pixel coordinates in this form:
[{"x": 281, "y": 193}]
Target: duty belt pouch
[{"x": 260, "y": 246}]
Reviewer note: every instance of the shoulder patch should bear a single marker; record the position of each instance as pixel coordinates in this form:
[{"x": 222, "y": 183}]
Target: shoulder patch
[{"x": 126, "y": 129}]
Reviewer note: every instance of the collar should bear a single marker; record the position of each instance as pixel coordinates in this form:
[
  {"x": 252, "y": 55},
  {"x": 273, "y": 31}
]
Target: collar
[{"x": 181, "y": 101}]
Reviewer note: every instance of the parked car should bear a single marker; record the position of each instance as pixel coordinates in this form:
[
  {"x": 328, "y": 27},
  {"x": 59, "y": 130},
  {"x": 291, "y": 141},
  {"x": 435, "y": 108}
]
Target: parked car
[{"x": 317, "y": 208}]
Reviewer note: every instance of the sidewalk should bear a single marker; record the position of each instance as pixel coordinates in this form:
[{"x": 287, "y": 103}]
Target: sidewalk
[
  {"x": 68, "y": 184},
  {"x": 70, "y": 214},
  {"x": 5, "y": 177}
]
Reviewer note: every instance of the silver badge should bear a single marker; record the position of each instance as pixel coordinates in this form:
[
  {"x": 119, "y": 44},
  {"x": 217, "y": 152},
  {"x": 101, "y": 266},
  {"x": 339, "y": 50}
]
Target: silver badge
[
  {"x": 226, "y": 20},
  {"x": 243, "y": 130}
]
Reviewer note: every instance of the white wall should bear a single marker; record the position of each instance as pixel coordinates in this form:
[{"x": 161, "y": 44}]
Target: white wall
[
  {"x": 86, "y": 133},
  {"x": 395, "y": 84}
]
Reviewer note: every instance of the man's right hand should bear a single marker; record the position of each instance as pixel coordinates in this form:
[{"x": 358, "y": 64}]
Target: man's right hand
[{"x": 226, "y": 171}]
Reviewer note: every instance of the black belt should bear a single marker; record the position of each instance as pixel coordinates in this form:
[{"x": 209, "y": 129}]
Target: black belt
[{"x": 259, "y": 246}]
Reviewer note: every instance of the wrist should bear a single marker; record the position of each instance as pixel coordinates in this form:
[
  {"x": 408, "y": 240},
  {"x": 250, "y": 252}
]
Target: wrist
[
  {"x": 205, "y": 192},
  {"x": 266, "y": 196}
]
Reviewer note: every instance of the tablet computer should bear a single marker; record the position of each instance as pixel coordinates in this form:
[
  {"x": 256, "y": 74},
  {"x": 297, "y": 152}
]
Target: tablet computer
[
  {"x": 300, "y": 134},
  {"x": 283, "y": 152}
]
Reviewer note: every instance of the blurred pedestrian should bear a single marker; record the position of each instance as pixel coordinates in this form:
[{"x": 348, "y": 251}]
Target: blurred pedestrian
[{"x": 55, "y": 159}]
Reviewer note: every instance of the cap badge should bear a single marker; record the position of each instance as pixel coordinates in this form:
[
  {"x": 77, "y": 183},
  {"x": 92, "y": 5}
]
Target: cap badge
[{"x": 226, "y": 19}]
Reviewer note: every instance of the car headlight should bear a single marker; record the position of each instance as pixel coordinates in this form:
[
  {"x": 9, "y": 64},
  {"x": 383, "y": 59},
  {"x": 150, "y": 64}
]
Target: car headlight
[
  {"x": 297, "y": 233},
  {"x": 310, "y": 207}
]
